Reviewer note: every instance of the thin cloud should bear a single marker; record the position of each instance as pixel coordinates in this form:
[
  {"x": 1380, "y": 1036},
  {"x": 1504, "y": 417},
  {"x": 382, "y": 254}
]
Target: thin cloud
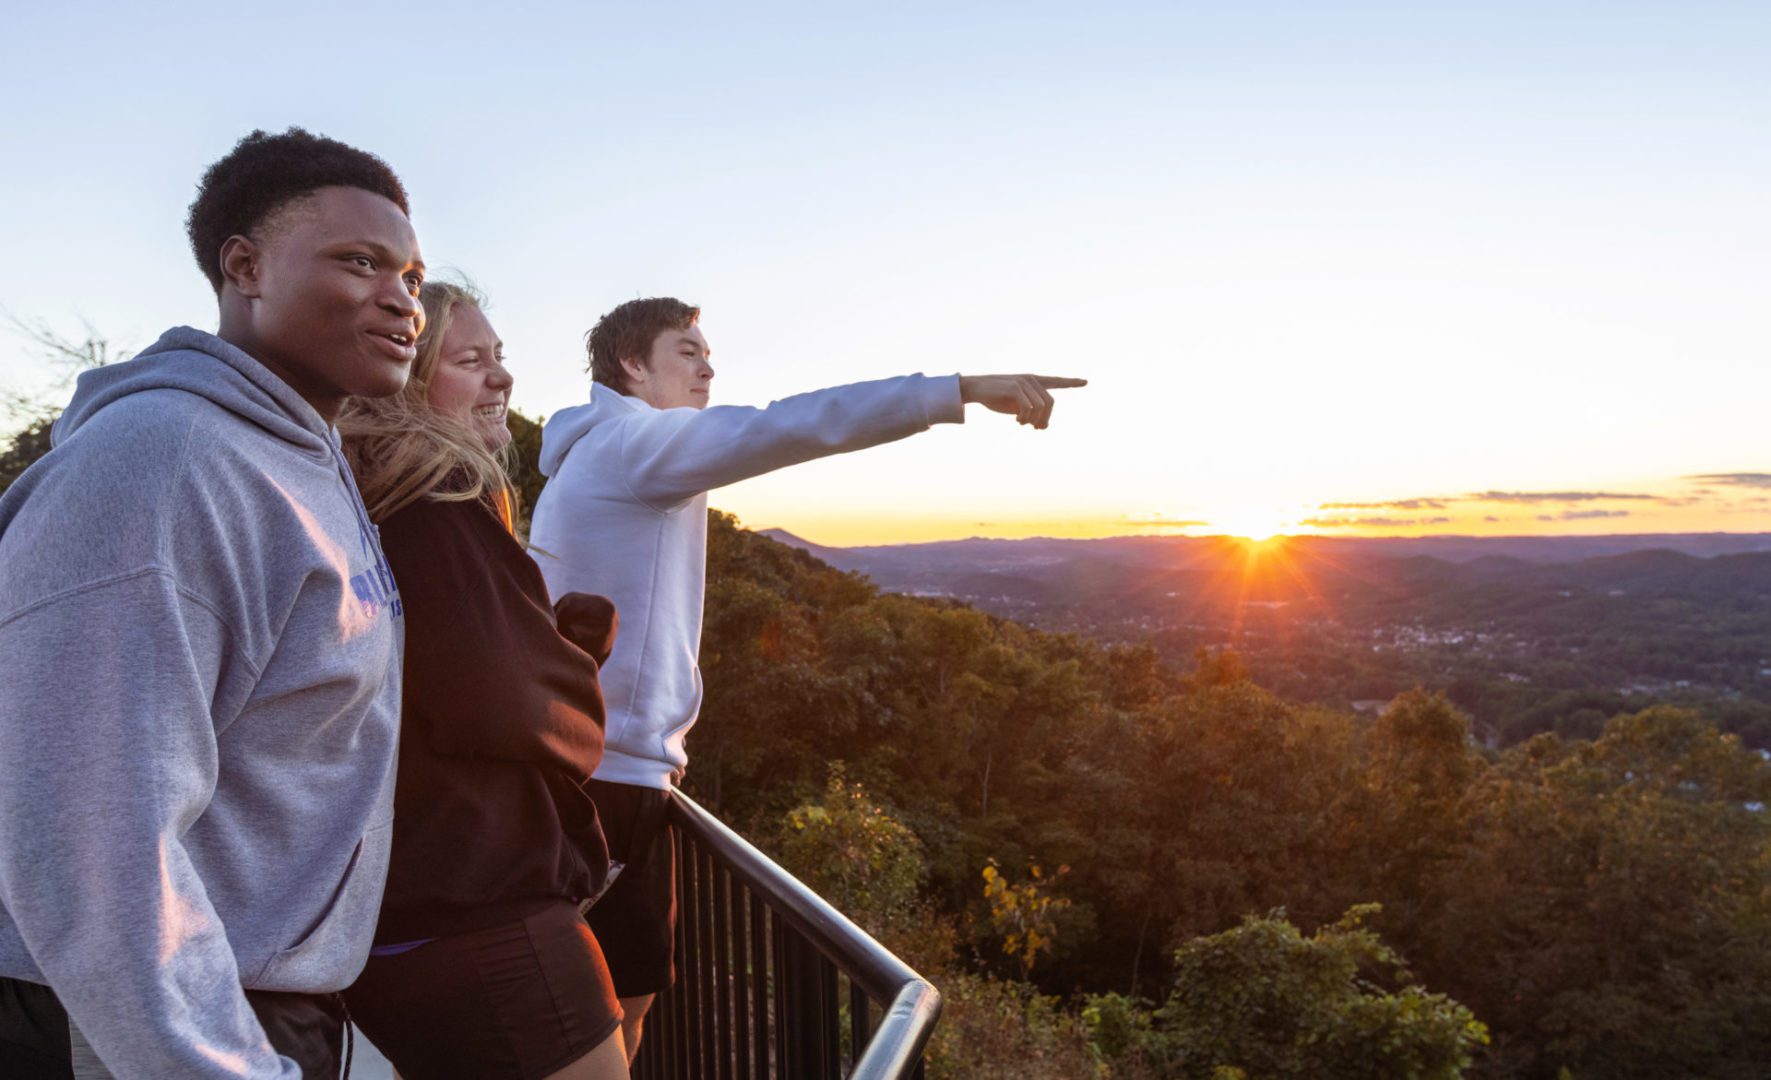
[
  {"x": 1527, "y": 498},
  {"x": 1160, "y": 522},
  {"x": 1735, "y": 479},
  {"x": 1348, "y": 523},
  {"x": 1394, "y": 504},
  {"x": 1554, "y": 496},
  {"x": 1092, "y": 523},
  {"x": 1583, "y": 515}
]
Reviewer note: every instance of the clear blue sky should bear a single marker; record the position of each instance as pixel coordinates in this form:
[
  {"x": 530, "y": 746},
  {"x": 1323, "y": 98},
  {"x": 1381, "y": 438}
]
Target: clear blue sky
[{"x": 1308, "y": 252}]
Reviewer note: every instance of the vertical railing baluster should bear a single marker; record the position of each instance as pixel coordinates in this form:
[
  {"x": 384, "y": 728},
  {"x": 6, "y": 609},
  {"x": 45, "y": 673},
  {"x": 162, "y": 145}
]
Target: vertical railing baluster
[
  {"x": 685, "y": 974},
  {"x": 722, "y": 931},
  {"x": 803, "y": 1026},
  {"x": 740, "y": 978},
  {"x": 679, "y": 1064},
  {"x": 860, "y": 1021},
  {"x": 709, "y": 970},
  {"x": 673, "y": 1065},
  {"x": 759, "y": 985},
  {"x": 790, "y": 1015},
  {"x": 830, "y": 1037},
  {"x": 783, "y": 1021}
]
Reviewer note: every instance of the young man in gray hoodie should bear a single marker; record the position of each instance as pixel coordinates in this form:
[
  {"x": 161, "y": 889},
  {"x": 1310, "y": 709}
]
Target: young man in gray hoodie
[{"x": 200, "y": 700}]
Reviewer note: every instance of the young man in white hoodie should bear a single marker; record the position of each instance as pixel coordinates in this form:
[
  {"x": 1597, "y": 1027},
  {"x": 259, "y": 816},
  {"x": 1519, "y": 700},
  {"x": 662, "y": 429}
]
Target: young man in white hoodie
[{"x": 624, "y": 515}]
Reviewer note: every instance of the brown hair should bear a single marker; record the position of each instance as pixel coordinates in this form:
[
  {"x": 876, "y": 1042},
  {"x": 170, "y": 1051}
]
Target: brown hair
[
  {"x": 627, "y": 333},
  {"x": 402, "y": 450}
]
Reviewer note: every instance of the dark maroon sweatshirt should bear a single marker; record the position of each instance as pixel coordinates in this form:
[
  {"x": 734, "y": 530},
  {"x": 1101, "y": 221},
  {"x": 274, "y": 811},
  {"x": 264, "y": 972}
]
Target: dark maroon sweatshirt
[{"x": 501, "y": 725}]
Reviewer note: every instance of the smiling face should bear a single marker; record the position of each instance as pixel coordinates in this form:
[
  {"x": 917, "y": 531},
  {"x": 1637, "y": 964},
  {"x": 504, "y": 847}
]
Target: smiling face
[
  {"x": 677, "y": 374},
  {"x": 326, "y": 296},
  {"x": 470, "y": 381}
]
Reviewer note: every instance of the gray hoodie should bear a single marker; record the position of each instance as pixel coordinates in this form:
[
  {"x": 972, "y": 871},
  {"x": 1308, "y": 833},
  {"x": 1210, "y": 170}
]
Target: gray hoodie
[{"x": 199, "y": 705}]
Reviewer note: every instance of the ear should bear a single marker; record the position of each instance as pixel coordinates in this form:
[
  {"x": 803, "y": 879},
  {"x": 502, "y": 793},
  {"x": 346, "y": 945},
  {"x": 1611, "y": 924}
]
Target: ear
[
  {"x": 240, "y": 265},
  {"x": 636, "y": 369}
]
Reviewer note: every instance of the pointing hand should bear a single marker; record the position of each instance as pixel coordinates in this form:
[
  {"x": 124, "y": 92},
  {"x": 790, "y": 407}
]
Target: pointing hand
[{"x": 1025, "y": 397}]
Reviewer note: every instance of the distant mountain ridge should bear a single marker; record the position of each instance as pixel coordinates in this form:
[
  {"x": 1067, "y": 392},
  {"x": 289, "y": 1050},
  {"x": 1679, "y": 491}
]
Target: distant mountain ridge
[
  {"x": 1044, "y": 569},
  {"x": 1526, "y": 633},
  {"x": 1461, "y": 549}
]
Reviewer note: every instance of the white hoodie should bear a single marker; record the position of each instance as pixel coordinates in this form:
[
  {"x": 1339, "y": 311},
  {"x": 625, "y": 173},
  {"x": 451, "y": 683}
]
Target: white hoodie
[{"x": 625, "y": 515}]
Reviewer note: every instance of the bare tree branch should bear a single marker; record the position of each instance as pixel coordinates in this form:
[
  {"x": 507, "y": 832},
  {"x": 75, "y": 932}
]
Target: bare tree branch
[
  {"x": 69, "y": 356},
  {"x": 62, "y": 354}
]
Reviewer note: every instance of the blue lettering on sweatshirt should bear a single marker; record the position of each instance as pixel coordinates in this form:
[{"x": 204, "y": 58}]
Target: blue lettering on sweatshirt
[{"x": 375, "y": 586}]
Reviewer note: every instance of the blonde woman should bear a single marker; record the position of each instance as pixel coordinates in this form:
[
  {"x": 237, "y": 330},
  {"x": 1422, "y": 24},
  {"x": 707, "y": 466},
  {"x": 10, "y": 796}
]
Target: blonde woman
[{"x": 483, "y": 965}]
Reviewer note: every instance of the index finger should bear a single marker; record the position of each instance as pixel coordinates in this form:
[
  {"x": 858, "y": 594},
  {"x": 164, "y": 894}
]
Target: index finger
[{"x": 1053, "y": 382}]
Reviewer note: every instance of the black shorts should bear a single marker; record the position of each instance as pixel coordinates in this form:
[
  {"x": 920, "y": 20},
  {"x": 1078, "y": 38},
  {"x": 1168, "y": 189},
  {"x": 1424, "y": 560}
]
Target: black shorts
[
  {"x": 636, "y": 918},
  {"x": 35, "y": 1043},
  {"x": 522, "y": 1000}
]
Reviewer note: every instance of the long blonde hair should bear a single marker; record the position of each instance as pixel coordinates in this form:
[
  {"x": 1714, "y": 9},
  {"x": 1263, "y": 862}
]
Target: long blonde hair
[{"x": 402, "y": 450}]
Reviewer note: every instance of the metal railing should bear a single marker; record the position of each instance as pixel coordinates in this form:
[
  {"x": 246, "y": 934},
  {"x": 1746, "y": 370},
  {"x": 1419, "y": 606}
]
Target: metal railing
[{"x": 773, "y": 982}]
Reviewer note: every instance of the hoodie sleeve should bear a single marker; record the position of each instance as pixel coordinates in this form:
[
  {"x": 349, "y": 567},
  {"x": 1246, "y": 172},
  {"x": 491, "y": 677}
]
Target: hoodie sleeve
[
  {"x": 675, "y": 454},
  {"x": 107, "y": 755}
]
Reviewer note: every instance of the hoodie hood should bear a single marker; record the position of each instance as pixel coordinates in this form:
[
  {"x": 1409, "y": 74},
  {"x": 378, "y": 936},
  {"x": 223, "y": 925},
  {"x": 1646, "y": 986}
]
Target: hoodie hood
[
  {"x": 564, "y": 428},
  {"x": 202, "y": 364}
]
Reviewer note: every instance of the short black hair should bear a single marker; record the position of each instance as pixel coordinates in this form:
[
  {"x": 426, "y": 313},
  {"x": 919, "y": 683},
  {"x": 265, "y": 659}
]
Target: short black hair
[{"x": 263, "y": 173}]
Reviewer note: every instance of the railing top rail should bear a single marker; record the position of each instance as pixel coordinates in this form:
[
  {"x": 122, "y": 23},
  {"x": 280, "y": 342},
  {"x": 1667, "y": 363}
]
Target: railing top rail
[
  {"x": 896, "y": 1046},
  {"x": 911, "y": 1002}
]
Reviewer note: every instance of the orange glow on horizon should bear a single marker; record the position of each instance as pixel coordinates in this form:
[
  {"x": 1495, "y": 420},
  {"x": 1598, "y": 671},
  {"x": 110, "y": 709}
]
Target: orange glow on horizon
[{"x": 1640, "y": 508}]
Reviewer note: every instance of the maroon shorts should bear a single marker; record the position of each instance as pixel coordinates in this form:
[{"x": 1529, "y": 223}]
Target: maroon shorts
[
  {"x": 636, "y": 918},
  {"x": 522, "y": 1000}
]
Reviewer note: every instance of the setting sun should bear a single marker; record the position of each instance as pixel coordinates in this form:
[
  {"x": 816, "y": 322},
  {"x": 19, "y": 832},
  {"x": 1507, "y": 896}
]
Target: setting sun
[{"x": 1252, "y": 523}]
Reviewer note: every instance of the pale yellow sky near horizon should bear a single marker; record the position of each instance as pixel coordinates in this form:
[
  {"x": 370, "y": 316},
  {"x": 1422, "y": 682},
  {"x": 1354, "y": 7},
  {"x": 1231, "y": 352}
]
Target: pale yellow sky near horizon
[{"x": 1739, "y": 505}]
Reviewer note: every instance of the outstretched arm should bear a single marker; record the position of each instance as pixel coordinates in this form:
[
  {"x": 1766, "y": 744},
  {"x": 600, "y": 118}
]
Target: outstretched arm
[
  {"x": 675, "y": 454},
  {"x": 678, "y": 453}
]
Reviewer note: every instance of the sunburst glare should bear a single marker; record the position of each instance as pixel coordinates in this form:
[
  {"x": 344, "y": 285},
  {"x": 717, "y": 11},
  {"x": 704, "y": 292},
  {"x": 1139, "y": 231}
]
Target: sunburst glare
[{"x": 1258, "y": 524}]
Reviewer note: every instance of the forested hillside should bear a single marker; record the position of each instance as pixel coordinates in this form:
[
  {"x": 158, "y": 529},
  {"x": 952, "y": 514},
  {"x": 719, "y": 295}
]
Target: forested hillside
[{"x": 1599, "y": 905}]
